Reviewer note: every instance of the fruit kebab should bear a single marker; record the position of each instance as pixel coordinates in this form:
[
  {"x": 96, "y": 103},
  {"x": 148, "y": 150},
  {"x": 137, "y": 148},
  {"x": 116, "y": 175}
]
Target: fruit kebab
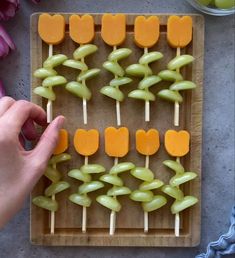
[
  {"x": 177, "y": 145},
  {"x": 146, "y": 33},
  {"x": 82, "y": 31},
  {"x": 51, "y": 29},
  {"x": 48, "y": 201},
  {"x": 86, "y": 143},
  {"x": 116, "y": 146},
  {"x": 113, "y": 32}
]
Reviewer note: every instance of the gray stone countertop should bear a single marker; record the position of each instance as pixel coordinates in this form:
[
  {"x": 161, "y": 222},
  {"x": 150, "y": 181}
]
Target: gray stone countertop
[{"x": 218, "y": 176}]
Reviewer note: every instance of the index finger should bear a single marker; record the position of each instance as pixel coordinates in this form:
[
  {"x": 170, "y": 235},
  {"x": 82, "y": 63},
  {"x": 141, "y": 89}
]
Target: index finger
[{"x": 20, "y": 112}]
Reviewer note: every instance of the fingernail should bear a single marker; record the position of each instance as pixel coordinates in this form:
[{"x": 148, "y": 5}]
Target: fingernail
[{"x": 60, "y": 122}]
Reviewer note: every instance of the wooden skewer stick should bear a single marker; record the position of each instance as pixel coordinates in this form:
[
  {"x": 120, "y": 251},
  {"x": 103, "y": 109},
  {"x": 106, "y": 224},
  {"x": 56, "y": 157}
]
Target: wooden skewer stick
[
  {"x": 49, "y": 103},
  {"x": 84, "y": 210},
  {"x": 84, "y": 102},
  {"x": 147, "y": 103},
  {"x": 177, "y": 215},
  {"x": 52, "y": 219},
  {"x": 112, "y": 224},
  {"x": 177, "y": 106},
  {"x": 146, "y": 217}
]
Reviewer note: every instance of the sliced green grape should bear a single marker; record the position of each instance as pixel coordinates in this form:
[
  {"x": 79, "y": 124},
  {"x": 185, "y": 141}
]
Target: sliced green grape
[
  {"x": 42, "y": 73},
  {"x": 54, "y": 81},
  {"x": 52, "y": 174},
  {"x": 183, "y": 85},
  {"x": 78, "y": 90},
  {"x": 150, "y": 57},
  {"x": 56, "y": 188},
  {"x": 156, "y": 183},
  {"x": 168, "y": 75},
  {"x": 112, "y": 92},
  {"x": 54, "y": 61},
  {"x": 92, "y": 169},
  {"x": 204, "y": 2},
  {"x": 116, "y": 82},
  {"x": 180, "y": 205},
  {"x": 142, "y": 94},
  {"x": 89, "y": 74},
  {"x": 119, "y": 54},
  {"x": 109, "y": 202},
  {"x": 45, "y": 93},
  {"x": 77, "y": 174},
  {"x": 182, "y": 178},
  {"x": 142, "y": 173},
  {"x": 138, "y": 70},
  {"x": 157, "y": 202},
  {"x": 118, "y": 190},
  {"x": 224, "y": 4},
  {"x": 172, "y": 191},
  {"x": 170, "y": 95},
  {"x": 174, "y": 165},
  {"x": 141, "y": 196},
  {"x": 90, "y": 187},
  {"x": 79, "y": 199},
  {"x": 75, "y": 64},
  {"x": 45, "y": 203},
  {"x": 60, "y": 158},
  {"x": 84, "y": 51},
  {"x": 112, "y": 179},
  {"x": 114, "y": 68},
  {"x": 149, "y": 82},
  {"x": 180, "y": 61},
  {"x": 121, "y": 167}
]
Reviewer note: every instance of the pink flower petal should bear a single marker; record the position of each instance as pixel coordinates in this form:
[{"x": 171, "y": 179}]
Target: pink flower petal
[{"x": 6, "y": 38}]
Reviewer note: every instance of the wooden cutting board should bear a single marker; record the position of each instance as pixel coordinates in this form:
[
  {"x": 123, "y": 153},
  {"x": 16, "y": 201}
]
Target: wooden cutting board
[{"x": 101, "y": 114}]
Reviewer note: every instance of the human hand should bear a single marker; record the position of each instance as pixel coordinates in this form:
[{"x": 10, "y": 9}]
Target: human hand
[{"x": 21, "y": 169}]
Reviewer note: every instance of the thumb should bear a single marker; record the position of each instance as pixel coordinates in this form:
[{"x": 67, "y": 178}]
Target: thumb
[{"x": 48, "y": 141}]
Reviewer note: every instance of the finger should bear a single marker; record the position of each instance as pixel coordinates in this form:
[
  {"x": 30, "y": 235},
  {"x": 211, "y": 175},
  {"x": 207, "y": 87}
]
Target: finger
[
  {"x": 20, "y": 112},
  {"x": 47, "y": 143},
  {"x": 5, "y": 104},
  {"x": 29, "y": 130}
]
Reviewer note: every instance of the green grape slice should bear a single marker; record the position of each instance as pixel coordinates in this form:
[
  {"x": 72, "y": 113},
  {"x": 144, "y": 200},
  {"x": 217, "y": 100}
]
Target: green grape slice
[
  {"x": 174, "y": 165},
  {"x": 114, "y": 68},
  {"x": 77, "y": 174},
  {"x": 60, "y": 158},
  {"x": 172, "y": 191},
  {"x": 52, "y": 174},
  {"x": 118, "y": 190},
  {"x": 170, "y": 95},
  {"x": 90, "y": 187},
  {"x": 150, "y": 57},
  {"x": 157, "y": 202},
  {"x": 121, "y": 167},
  {"x": 75, "y": 64},
  {"x": 180, "y": 61},
  {"x": 43, "y": 73},
  {"x": 54, "y": 61},
  {"x": 142, "y": 173},
  {"x": 82, "y": 200},
  {"x": 45, "y": 93},
  {"x": 112, "y": 179},
  {"x": 180, "y": 205},
  {"x": 183, "y": 85},
  {"x": 119, "y": 54},
  {"x": 112, "y": 92},
  {"x": 138, "y": 70},
  {"x": 149, "y": 82},
  {"x": 120, "y": 81},
  {"x": 54, "y": 81},
  {"x": 168, "y": 75},
  {"x": 141, "y": 196},
  {"x": 92, "y": 169},
  {"x": 45, "y": 203},
  {"x": 87, "y": 75},
  {"x": 109, "y": 202},
  {"x": 224, "y": 4},
  {"x": 156, "y": 183},
  {"x": 142, "y": 95},
  {"x": 182, "y": 178},
  {"x": 56, "y": 188},
  {"x": 204, "y": 2},
  {"x": 84, "y": 51},
  {"x": 78, "y": 90}
]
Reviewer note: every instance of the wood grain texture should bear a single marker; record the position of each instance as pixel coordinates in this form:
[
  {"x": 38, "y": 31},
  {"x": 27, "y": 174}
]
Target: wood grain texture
[{"x": 101, "y": 114}]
